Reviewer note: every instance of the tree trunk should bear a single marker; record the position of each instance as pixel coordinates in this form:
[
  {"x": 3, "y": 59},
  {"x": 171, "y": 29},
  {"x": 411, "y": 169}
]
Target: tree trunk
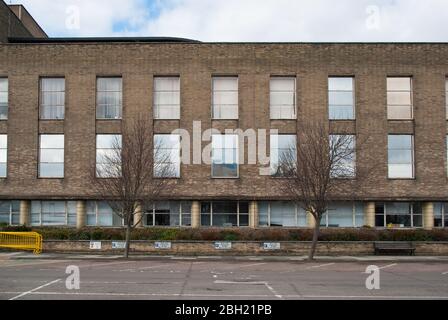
[
  {"x": 315, "y": 239},
  {"x": 128, "y": 240}
]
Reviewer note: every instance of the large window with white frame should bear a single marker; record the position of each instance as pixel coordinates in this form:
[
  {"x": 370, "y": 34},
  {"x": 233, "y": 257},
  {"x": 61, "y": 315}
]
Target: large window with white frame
[
  {"x": 341, "y": 98},
  {"x": 283, "y": 149},
  {"x": 446, "y": 97},
  {"x": 108, "y": 155},
  {"x": 283, "y": 98},
  {"x": 398, "y": 215},
  {"x": 109, "y": 98},
  {"x": 3, "y": 98},
  {"x": 10, "y": 212},
  {"x": 167, "y": 155},
  {"x": 3, "y": 155},
  {"x": 168, "y": 213},
  {"x": 51, "y": 156},
  {"x": 225, "y": 156},
  {"x": 53, "y": 213},
  {"x": 399, "y": 98},
  {"x": 343, "y": 215},
  {"x": 441, "y": 214},
  {"x": 344, "y": 156},
  {"x": 225, "y": 213},
  {"x": 401, "y": 156},
  {"x": 280, "y": 214},
  {"x": 52, "y": 98},
  {"x": 99, "y": 213},
  {"x": 166, "y": 98},
  {"x": 225, "y": 98}
]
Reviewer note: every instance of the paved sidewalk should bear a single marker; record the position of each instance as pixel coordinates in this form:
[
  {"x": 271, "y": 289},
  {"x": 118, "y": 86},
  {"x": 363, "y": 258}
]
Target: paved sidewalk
[{"x": 66, "y": 256}]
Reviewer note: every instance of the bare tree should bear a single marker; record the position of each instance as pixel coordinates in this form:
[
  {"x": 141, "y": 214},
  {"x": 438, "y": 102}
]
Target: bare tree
[
  {"x": 319, "y": 166},
  {"x": 132, "y": 174}
]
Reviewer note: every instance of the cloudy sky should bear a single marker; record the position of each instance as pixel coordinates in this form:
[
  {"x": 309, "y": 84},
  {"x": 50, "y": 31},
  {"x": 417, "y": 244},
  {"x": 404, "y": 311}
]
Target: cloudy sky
[{"x": 246, "y": 20}]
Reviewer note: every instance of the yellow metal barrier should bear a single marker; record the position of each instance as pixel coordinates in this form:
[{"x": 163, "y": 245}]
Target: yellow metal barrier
[{"x": 21, "y": 241}]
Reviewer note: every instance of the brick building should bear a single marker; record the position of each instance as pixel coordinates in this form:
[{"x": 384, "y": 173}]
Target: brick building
[{"x": 62, "y": 100}]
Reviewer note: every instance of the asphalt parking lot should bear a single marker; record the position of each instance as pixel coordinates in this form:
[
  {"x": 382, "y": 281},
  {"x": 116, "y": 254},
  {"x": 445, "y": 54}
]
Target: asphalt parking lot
[{"x": 184, "y": 278}]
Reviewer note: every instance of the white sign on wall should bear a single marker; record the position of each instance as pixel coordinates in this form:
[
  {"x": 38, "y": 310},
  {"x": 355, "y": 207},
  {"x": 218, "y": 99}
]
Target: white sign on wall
[
  {"x": 118, "y": 244},
  {"x": 162, "y": 245},
  {"x": 95, "y": 245},
  {"x": 271, "y": 246},
  {"x": 219, "y": 245}
]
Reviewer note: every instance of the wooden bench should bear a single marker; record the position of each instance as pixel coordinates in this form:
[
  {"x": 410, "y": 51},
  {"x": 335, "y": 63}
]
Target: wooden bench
[{"x": 394, "y": 248}]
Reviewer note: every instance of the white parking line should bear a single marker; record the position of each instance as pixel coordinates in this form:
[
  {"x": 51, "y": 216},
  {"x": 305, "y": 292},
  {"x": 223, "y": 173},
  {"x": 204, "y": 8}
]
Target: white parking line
[
  {"x": 251, "y": 265},
  {"x": 35, "y": 289},
  {"x": 321, "y": 265},
  {"x": 388, "y": 266},
  {"x": 266, "y": 284},
  {"x": 446, "y": 272}
]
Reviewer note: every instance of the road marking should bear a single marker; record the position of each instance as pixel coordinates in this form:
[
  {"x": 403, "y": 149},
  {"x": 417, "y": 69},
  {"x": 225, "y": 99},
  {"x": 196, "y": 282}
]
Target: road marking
[
  {"x": 387, "y": 266},
  {"x": 266, "y": 284},
  {"x": 33, "y": 264},
  {"x": 445, "y": 272},
  {"x": 319, "y": 266},
  {"x": 252, "y": 265},
  {"x": 35, "y": 289}
]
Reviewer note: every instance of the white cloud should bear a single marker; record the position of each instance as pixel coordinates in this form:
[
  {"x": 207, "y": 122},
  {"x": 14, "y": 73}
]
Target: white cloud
[{"x": 252, "y": 20}]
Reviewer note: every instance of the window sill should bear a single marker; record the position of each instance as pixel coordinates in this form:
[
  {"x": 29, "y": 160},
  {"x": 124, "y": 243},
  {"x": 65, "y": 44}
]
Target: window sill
[{"x": 225, "y": 178}]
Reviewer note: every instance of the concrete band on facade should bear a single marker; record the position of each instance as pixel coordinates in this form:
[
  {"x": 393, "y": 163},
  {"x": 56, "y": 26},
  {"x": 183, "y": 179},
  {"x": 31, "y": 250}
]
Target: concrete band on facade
[{"x": 380, "y": 201}]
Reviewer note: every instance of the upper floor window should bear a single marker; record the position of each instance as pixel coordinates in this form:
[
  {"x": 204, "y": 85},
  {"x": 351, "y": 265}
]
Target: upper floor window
[
  {"x": 3, "y": 98},
  {"x": 341, "y": 98},
  {"x": 52, "y": 98},
  {"x": 109, "y": 98},
  {"x": 282, "y": 151},
  {"x": 283, "y": 97},
  {"x": 167, "y": 155},
  {"x": 225, "y": 156},
  {"x": 51, "y": 157},
  {"x": 399, "y": 98},
  {"x": 446, "y": 97},
  {"x": 401, "y": 156},
  {"x": 225, "y": 98},
  {"x": 108, "y": 155},
  {"x": 343, "y": 152},
  {"x": 166, "y": 98},
  {"x": 3, "y": 155}
]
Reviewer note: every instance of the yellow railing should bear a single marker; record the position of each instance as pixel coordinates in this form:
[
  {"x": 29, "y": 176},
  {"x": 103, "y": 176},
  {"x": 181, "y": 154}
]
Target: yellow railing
[{"x": 21, "y": 241}]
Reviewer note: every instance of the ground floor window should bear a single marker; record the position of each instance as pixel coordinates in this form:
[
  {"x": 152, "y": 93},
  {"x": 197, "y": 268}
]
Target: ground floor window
[
  {"x": 10, "y": 212},
  {"x": 53, "y": 213},
  {"x": 168, "y": 213},
  {"x": 441, "y": 214},
  {"x": 225, "y": 213},
  {"x": 343, "y": 215},
  {"x": 281, "y": 214},
  {"x": 100, "y": 214},
  {"x": 398, "y": 215}
]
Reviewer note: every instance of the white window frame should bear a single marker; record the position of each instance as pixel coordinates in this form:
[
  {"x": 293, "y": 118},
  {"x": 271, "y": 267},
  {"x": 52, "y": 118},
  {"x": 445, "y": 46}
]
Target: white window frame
[
  {"x": 40, "y": 157},
  {"x": 178, "y": 163},
  {"x": 412, "y": 158},
  {"x": 7, "y": 97},
  {"x": 120, "y": 111},
  {"x": 66, "y": 208},
  {"x": 237, "y": 157},
  {"x": 411, "y": 92},
  {"x": 334, "y": 176},
  {"x": 276, "y": 162},
  {"x": 353, "y": 91},
  {"x": 97, "y": 215},
  {"x": 152, "y": 212},
  {"x": 294, "y": 115},
  {"x": 12, "y": 212},
  {"x": 237, "y": 215},
  {"x": 215, "y": 116},
  {"x": 115, "y": 135},
  {"x": 41, "y": 95},
  {"x": 5, "y": 150},
  {"x": 157, "y": 107}
]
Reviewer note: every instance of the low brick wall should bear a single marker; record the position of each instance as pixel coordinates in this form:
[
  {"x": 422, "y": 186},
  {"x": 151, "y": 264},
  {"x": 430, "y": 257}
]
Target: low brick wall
[{"x": 207, "y": 248}]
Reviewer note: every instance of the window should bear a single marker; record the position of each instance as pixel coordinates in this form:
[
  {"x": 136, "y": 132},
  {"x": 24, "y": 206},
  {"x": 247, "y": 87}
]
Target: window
[
  {"x": 398, "y": 215},
  {"x": 53, "y": 213},
  {"x": 225, "y": 98},
  {"x": 3, "y": 155},
  {"x": 225, "y": 213},
  {"x": 10, "y": 212},
  {"x": 401, "y": 156},
  {"x": 168, "y": 213},
  {"x": 441, "y": 214},
  {"x": 343, "y": 215},
  {"x": 344, "y": 156},
  {"x": 100, "y": 214},
  {"x": 166, "y": 98},
  {"x": 3, "y": 98},
  {"x": 225, "y": 156},
  {"x": 51, "y": 159},
  {"x": 399, "y": 98},
  {"x": 109, "y": 98},
  {"x": 446, "y": 97},
  {"x": 283, "y": 97},
  {"x": 52, "y": 98},
  {"x": 281, "y": 214},
  {"x": 283, "y": 149},
  {"x": 340, "y": 98},
  {"x": 108, "y": 155},
  {"x": 167, "y": 155}
]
